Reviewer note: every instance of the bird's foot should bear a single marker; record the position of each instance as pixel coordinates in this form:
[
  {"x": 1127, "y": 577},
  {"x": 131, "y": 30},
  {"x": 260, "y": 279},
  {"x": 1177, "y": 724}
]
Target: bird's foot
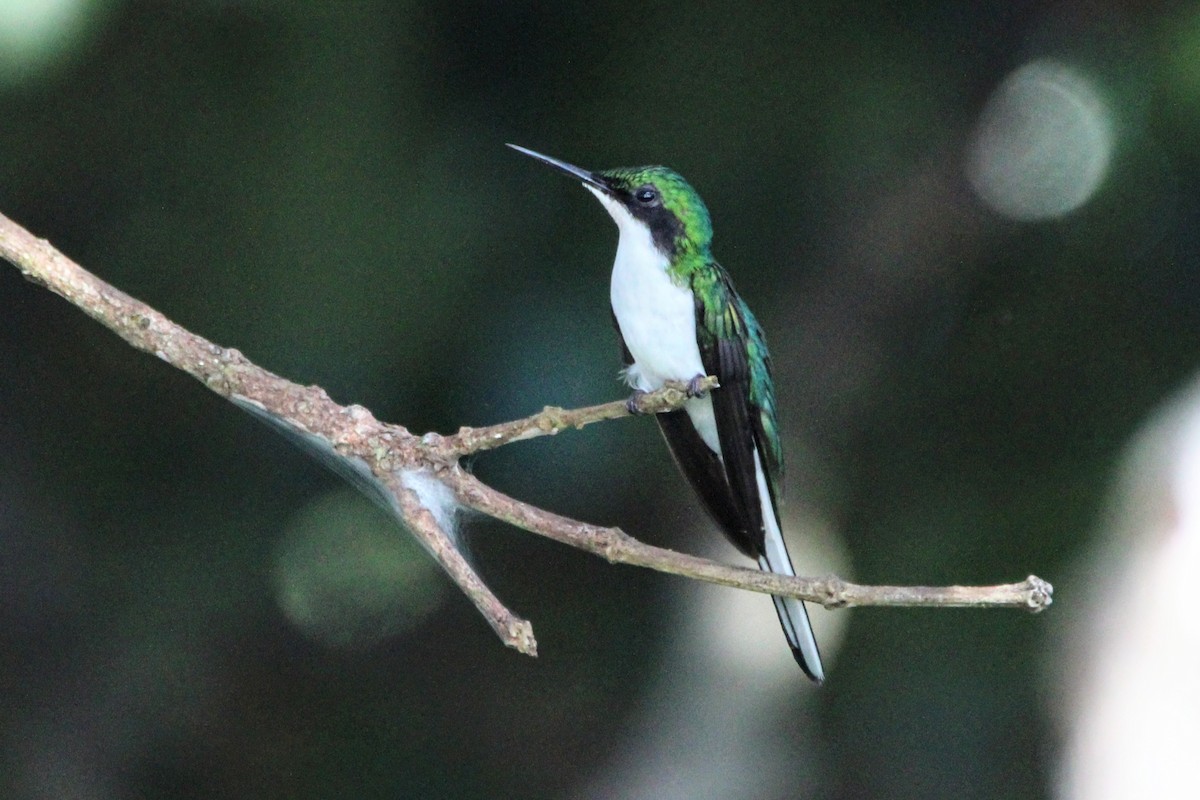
[
  {"x": 695, "y": 387},
  {"x": 633, "y": 404}
]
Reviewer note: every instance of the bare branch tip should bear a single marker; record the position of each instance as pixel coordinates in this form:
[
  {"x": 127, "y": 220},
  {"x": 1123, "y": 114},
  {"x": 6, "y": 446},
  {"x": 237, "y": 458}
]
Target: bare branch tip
[
  {"x": 1040, "y": 594},
  {"x": 519, "y": 637}
]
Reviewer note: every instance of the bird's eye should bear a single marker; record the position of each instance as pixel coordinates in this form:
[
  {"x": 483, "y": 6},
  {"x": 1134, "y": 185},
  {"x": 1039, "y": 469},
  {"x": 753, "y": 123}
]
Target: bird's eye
[{"x": 646, "y": 195}]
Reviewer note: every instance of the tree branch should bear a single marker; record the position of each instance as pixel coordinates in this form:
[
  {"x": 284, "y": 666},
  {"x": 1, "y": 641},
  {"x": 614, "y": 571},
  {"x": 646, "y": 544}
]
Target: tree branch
[
  {"x": 613, "y": 544},
  {"x": 387, "y": 452}
]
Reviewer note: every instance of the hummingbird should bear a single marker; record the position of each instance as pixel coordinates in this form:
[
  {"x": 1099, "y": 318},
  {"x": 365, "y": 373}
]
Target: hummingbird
[{"x": 680, "y": 319}]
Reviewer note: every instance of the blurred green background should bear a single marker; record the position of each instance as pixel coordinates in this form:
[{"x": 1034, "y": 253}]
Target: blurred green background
[{"x": 191, "y": 608}]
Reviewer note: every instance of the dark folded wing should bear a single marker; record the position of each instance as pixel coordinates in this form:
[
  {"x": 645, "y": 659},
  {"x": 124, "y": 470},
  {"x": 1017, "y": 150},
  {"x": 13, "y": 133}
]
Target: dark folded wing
[
  {"x": 705, "y": 472},
  {"x": 724, "y": 355}
]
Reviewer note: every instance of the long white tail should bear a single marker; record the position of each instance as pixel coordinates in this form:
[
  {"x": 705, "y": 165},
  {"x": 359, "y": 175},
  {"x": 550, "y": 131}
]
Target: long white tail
[{"x": 792, "y": 614}]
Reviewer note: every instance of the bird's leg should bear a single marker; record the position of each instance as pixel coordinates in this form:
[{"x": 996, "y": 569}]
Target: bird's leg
[
  {"x": 632, "y": 405},
  {"x": 694, "y": 386}
]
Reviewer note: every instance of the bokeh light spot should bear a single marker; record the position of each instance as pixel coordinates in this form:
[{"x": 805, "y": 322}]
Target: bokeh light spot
[
  {"x": 346, "y": 575},
  {"x": 37, "y": 33},
  {"x": 1043, "y": 143}
]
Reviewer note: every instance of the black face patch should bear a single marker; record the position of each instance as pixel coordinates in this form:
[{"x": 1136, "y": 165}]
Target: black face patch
[{"x": 664, "y": 226}]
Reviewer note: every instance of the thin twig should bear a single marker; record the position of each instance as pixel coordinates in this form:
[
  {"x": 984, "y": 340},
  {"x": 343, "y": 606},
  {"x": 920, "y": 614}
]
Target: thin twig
[
  {"x": 552, "y": 419},
  {"x": 387, "y": 450}
]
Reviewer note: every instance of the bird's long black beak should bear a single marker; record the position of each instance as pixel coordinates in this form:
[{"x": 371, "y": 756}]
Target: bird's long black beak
[{"x": 589, "y": 178}]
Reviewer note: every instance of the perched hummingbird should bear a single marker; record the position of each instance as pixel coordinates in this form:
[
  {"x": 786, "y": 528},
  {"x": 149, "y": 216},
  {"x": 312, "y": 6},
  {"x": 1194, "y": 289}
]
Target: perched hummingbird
[{"x": 680, "y": 319}]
